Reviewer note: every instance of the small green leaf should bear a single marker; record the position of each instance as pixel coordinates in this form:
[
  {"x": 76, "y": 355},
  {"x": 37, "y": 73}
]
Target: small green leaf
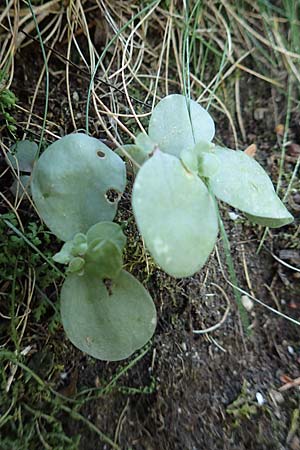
[
  {"x": 209, "y": 165},
  {"x": 204, "y": 147},
  {"x": 242, "y": 183},
  {"x": 76, "y": 265},
  {"x": 22, "y": 155},
  {"x": 80, "y": 244},
  {"x": 144, "y": 142},
  {"x": 71, "y": 182},
  {"x": 175, "y": 215},
  {"x": 64, "y": 256},
  {"x": 137, "y": 155},
  {"x": 104, "y": 259},
  {"x": 108, "y": 324},
  {"x": 107, "y": 230},
  {"x": 173, "y": 128},
  {"x": 189, "y": 160}
]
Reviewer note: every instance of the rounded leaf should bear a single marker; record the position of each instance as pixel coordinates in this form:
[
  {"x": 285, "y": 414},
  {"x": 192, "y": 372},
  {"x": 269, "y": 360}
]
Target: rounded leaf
[
  {"x": 136, "y": 154},
  {"x": 22, "y": 155},
  {"x": 175, "y": 215},
  {"x": 242, "y": 183},
  {"x": 173, "y": 128},
  {"x": 144, "y": 142},
  {"x": 209, "y": 164},
  {"x": 108, "y": 324},
  {"x": 71, "y": 181},
  {"x": 76, "y": 265},
  {"x": 104, "y": 259},
  {"x": 107, "y": 230}
]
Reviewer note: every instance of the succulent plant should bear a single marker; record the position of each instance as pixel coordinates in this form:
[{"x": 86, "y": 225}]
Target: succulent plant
[
  {"x": 105, "y": 311},
  {"x": 181, "y": 169}
]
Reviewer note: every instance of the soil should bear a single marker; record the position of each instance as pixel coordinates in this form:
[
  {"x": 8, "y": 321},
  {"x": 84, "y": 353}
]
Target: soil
[{"x": 218, "y": 390}]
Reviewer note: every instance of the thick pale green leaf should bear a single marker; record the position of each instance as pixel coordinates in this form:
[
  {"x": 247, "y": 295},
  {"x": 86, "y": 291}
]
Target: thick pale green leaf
[
  {"x": 64, "y": 256},
  {"x": 80, "y": 244},
  {"x": 244, "y": 184},
  {"x": 107, "y": 230},
  {"x": 190, "y": 160},
  {"x": 75, "y": 247},
  {"x": 22, "y": 155},
  {"x": 175, "y": 215},
  {"x": 108, "y": 324},
  {"x": 103, "y": 258},
  {"x": 76, "y": 265},
  {"x": 208, "y": 164},
  {"x": 173, "y": 129},
  {"x": 144, "y": 142},
  {"x": 137, "y": 155},
  {"x": 71, "y": 181}
]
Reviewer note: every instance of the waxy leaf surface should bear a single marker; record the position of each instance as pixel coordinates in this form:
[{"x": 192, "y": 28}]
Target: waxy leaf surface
[
  {"x": 174, "y": 129},
  {"x": 175, "y": 215},
  {"x": 107, "y": 323},
  {"x": 103, "y": 258},
  {"x": 22, "y": 155},
  {"x": 242, "y": 183},
  {"x": 107, "y": 230},
  {"x": 70, "y": 184}
]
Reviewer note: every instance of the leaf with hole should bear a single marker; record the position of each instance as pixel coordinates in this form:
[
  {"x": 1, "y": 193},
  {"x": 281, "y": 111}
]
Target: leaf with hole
[
  {"x": 71, "y": 182},
  {"x": 108, "y": 324},
  {"x": 243, "y": 184},
  {"x": 175, "y": 215},
  {"x": 175, "y": 126}
]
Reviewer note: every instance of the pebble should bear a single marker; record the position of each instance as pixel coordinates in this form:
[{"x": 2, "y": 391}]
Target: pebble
[
  {"x": 75, "y": 96},
  {"x": 233, "y": 215},
  {"x": 260, "y": 399},
  {"x": 247, "y": 303},
  {"x": 276, "y": 396},
  {"x": 183, "y": 346}
]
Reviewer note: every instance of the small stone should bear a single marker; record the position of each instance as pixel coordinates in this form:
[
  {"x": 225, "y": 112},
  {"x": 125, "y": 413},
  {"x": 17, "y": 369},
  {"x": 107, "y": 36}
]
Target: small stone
[
  {"x": 290, "y": 350},
  {"x": 276, "y": 396},
  {"x": 247, "y": 303},
  {"x": 259, "y": 113},
  {"x": 75, "y": 96},
  {"x": 183, "y": 346},
  {"x": 260, "y": 399},
  {"x": 233, "y": 215}
]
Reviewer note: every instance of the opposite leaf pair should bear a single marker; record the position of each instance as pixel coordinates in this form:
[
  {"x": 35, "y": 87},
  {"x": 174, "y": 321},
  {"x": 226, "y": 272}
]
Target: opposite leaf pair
[
  {"x": 105, "y": 311},
  {"x": 171, "y": 197}
]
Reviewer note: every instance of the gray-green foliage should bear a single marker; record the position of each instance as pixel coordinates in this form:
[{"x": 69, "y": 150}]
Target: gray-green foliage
[
  {"x": 107, "y": 324},
  {"x": 105, "y": 311},
  {"x": 172, "y": 192},
  {"x": 175, "y": 214},
  {"x": 71, "y": 181},
  {"x": 22, "y": 155}
]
